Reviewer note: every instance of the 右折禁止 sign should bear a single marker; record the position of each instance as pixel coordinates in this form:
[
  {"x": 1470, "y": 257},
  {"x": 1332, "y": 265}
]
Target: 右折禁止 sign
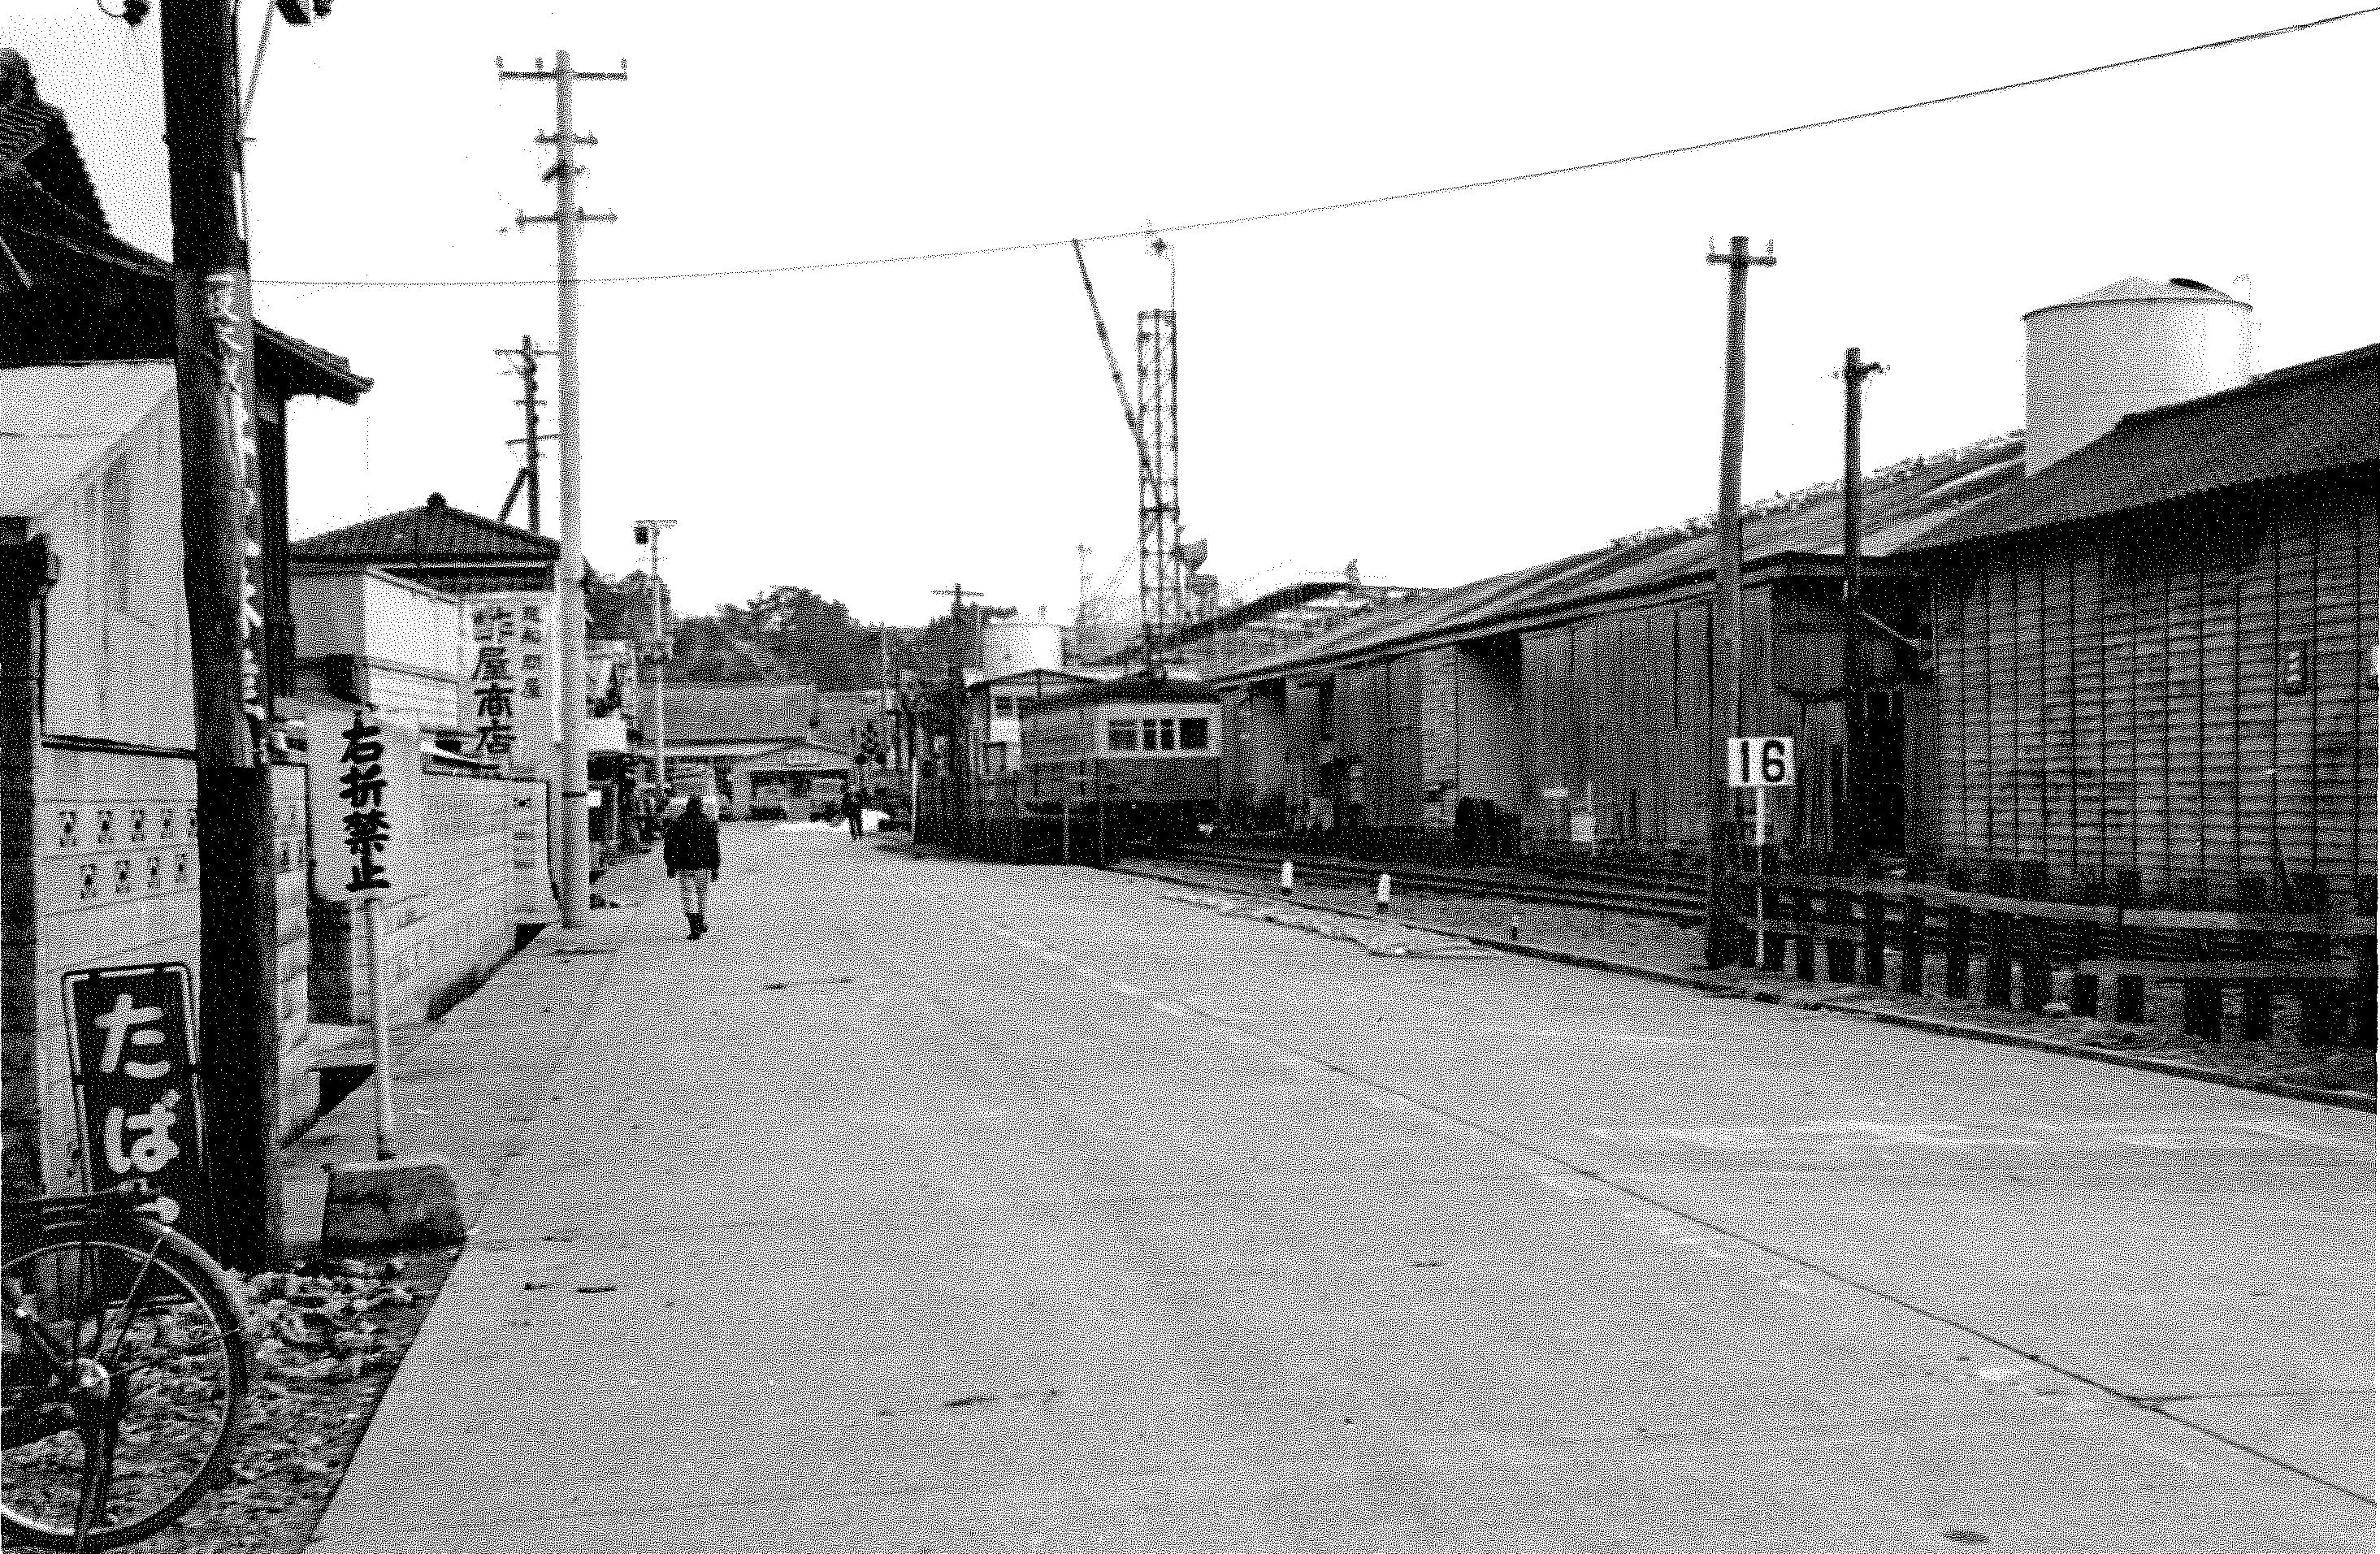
[
  {"x": 136, "y": 1069},
  {"x": 363, "y": 771}
]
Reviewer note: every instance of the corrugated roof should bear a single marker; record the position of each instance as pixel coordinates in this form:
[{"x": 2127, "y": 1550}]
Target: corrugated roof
[
  {"x": 432, "y": 531},
  {"x": 1131, "y": 687},
  {"x": 719, "y": 713},
  {"x": 2319, "y": 416},
  {"x": 55, "y": 422},
  {"x": 1898, "y": 506}
]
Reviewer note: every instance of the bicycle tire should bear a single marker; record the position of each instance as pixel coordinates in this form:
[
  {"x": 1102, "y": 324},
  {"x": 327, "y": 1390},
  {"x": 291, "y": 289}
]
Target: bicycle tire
[{"x": 167, "y": 1276}]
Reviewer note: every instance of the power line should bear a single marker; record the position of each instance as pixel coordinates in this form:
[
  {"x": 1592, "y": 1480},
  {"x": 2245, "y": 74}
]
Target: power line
[{"x": 1145, "y": 233}]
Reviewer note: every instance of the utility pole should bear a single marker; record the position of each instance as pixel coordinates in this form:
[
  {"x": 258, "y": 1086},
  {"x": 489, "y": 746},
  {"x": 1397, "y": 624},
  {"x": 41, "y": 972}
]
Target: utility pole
[
  {"x": 1718, "y": 931},
  {"x": 526, "y": 360},
  {"x": 959, "y": 731},
  {"x": 885, "y": 743},
  {"x": 570, "y": 585},
  {"x": 649, "y": 533},
  {"x": 1851, "y": 831},
  {"x": 215, "y": 376}
]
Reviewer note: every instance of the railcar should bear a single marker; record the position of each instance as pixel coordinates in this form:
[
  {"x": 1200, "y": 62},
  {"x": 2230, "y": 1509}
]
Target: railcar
[{"x": 1139, "y": 756}]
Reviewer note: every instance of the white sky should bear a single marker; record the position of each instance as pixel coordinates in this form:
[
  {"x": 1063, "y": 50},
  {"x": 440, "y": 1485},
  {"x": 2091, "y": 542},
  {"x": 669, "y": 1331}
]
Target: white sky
[{"x": 1443, "y": 388}]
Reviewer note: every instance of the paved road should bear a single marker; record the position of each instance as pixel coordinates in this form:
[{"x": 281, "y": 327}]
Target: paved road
[{"x": 935, "y": 1205}]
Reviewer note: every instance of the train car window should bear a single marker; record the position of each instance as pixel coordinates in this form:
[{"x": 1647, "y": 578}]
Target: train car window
[
  {"x": 1162, "y": 729},
  {"x": 1124, "y": 735},
  {"x": 1194, "y": 733}
]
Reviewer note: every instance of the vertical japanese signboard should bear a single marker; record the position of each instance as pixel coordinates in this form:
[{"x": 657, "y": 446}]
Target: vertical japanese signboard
[
  {"x": 136, "y": 1068},
  {"x": 364, "y": 803},
  {"x": 508, "y": 698}
]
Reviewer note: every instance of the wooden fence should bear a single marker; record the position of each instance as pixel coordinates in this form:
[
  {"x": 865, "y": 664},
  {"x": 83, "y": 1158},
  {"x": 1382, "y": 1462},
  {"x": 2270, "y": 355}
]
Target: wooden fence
[{"x": 1922, "y": 936}]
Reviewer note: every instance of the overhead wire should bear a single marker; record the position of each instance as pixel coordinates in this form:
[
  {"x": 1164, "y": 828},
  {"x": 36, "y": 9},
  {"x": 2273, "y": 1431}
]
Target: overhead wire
[{"x": 1217, "y": 222}]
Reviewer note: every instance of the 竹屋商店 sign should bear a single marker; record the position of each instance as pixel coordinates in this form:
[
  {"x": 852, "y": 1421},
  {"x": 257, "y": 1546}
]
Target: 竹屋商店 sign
[{"x": 506, "y": 697}]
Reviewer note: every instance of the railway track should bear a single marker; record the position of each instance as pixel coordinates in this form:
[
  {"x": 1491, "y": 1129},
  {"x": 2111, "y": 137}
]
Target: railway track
[{"x": 1643, "y": 893}]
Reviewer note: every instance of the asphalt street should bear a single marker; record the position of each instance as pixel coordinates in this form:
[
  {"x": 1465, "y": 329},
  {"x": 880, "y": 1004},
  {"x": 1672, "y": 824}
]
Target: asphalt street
[{"x": 930, "y": 1204}]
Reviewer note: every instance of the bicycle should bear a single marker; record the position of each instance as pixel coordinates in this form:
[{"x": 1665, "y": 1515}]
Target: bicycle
[{"x": 125, "y": 1373}]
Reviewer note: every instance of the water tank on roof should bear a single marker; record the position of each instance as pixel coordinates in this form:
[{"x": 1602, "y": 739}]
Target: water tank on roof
[
  {"x": 2095, "y": 358},
  {"x": 1012, "y": 643}
]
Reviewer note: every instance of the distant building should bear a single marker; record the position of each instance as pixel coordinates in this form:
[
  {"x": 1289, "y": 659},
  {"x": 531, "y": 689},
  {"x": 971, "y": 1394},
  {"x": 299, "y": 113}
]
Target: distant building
[{"x": 754, "y": 746}]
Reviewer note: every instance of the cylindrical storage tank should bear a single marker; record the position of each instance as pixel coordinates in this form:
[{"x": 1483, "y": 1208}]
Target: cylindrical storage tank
[
  {"x": 2133, "y": 346},
  {"x": 1011, "y": 645}
]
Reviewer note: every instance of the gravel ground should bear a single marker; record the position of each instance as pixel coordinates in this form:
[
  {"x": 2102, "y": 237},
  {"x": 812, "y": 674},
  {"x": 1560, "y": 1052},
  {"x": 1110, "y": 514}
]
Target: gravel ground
[
  {"x": 326, "y": 1338},
  {"x": 1667, "y": 947}
]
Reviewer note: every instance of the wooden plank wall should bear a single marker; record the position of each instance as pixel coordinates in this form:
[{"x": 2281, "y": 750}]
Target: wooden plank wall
[{"x": 2112, "y": 699}]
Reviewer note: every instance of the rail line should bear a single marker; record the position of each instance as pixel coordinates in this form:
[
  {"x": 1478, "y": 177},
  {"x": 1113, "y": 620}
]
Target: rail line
[{"x": 1640, "y": 892}]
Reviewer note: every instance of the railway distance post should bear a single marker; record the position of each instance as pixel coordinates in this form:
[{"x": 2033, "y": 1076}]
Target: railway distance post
[{"x": 1718, "y": 926}]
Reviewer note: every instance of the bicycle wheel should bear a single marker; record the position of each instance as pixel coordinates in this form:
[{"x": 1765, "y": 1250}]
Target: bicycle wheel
[{"x": 157, "y": 1334}]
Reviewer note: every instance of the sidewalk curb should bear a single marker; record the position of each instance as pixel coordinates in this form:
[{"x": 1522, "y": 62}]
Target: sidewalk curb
[{"x": 1721, "y": 987}]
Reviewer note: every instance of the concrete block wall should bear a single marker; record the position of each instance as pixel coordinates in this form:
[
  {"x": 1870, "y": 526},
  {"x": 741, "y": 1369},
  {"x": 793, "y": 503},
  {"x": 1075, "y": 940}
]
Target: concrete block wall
[
  {"x": 116, "y": 866},
  {"x": 446, "y": 935},
  {"x": 290, "y": 872}
]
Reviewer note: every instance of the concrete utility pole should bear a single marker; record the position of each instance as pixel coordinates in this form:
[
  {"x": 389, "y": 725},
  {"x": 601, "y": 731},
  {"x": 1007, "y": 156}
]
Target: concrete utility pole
[
  {"x": 572, "y": 686},
  {"x": 1849, "y": 834},
  {"x": 215, "y": 376},
  {"x": 1719, "y": 933},
  {"x": 526, "y": 355},
  {"x": 650, "y": 532}
]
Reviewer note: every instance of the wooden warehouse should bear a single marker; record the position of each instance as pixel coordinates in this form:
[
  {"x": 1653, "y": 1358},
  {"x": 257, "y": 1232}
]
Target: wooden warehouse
[
  {"x": 1568, "y": 705},
  {"x": 2154, "y": 657}
]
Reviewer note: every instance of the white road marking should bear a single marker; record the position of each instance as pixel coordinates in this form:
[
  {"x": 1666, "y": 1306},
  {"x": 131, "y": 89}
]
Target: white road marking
[
  {"x": 1563, "y": 1185},
  {"x": 1128, "y": 991},
  {"x": 1054, "y": 958},
  {"x": 1163, "y": 1007}
]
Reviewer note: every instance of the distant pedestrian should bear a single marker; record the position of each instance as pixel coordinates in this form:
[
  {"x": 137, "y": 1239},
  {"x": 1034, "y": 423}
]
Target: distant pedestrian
[
  {"x": 853, "y": 807},
  {"x": 690, "y": 851}
]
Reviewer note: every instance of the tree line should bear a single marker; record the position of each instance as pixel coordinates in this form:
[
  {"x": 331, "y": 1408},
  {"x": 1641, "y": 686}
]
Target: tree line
[{"x": 782, "y": 635}]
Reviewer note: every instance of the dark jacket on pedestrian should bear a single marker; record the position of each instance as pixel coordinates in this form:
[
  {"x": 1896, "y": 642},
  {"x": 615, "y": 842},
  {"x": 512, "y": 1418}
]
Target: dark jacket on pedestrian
[{"x": 692, "y": 841}]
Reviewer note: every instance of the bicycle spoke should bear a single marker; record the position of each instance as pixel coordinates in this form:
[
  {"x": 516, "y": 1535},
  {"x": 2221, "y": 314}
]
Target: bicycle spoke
[
  {"x": 98, "y": 1479},
  {"x": 132, "y": 1301}
]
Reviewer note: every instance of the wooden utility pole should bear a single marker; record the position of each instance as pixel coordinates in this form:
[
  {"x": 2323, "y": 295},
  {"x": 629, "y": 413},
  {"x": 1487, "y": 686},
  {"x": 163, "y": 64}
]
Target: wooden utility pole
[
  {"x": 960, "y": 733},
  {"x": 1718, "y": 931},
  {"x": 570, "y": 686},
  {"x": 239, "y": 978},
  {"x": 532, "y": 456},
  {"x": 1850, "y": 832}
]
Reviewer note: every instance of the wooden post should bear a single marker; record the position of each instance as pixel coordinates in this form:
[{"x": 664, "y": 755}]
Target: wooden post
[
  {"x": 2083, "y": 989},
  {"x": 1913, "y": 944},
  {"x": 1841, "y": 956},
  {"x": 1997, "y": 991},
  {"x": 2321, "y": 1016},
  {"x": 1805, "y": 963},
  {"x": 2040, "y": 933},
  {"x": 2255, "y": 998},
  {"x": 2131, "y": 992},
  {"x": 1772, "y": 945},
  {"x": 1872, "y": 938},
  {"x": 239, "y": 983},
  {"x": 2202, "y": 1002}
]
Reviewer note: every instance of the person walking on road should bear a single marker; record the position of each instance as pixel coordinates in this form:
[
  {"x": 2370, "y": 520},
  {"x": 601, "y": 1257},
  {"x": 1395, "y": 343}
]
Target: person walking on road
[
  {"x": 690, "y": 851},
  {"x": 853, "y": 807}
]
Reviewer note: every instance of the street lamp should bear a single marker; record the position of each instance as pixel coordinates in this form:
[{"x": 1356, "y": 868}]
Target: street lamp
[{"x": 648, "y": 534}]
